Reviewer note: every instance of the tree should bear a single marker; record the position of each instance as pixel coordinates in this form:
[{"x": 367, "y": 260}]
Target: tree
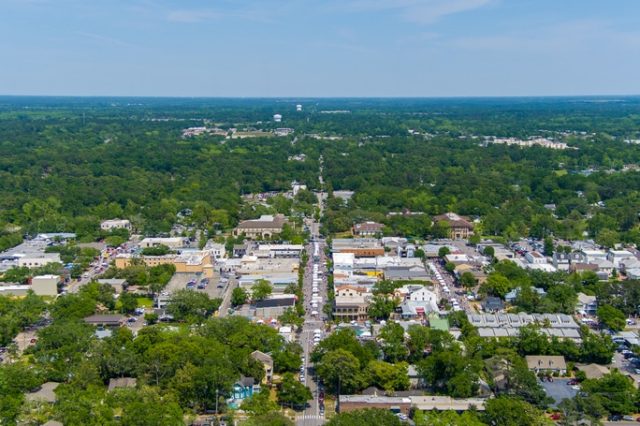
[
  {"x": 509, "y": 411},
  {"x": 293, "y": 393},
  {"x": 159, "y": 250},
  {"x": 259, "y": 404},
  {"x": 340, "y": 370},
  {"x": 614, "y": 391},
  {"x": 239, "y": 296},
  {"x": 192, "y": 306},
  {"x": 468, "y": 280},
  {"x": 381, "y": 307},
  {"x": 446, "y": 418},
  {"x": 489, "y": 251},
  {"x": 496, "y": 285},
  {"x": 261, "y": 290},
  {"x": 450, "y": 267},
  {"x": 290, "y": 316},
  {"x": 269, "y": 419},
  {"x": 611, "y": 317},
  {"x": 128, "y": 303},
  {"x": 443, "y": 251},
  {"x": 393, "y": 346},
  {"x": 287, "y": 357},
  {"x": 365, "y": 417},
  {"x": 390, "y": 377},
  {"x": 548, "y": 246}
]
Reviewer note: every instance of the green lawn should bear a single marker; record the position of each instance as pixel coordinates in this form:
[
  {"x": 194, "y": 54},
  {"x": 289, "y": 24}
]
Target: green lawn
[{"x": 145, "y": 302}]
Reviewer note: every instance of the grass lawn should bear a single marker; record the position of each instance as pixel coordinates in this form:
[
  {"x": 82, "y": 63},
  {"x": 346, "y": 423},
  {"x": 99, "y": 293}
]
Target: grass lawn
[{"x": 145, "y": 302}]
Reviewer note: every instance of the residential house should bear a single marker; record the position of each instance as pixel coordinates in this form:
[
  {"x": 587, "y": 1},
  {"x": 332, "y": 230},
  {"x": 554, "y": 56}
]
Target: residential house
[
  {"x": 513, "y": 294},
  {"x": 122, "y": 382},
  {"x": 546, "y": 364},
  {"x": 459, "y": 227},
  {"x": 367, "y": 229},
  {"x": 618, "y": 256},
  {"x": 217, "y": 250},
  {"x": 534, "y": 257},
  {"x": 593, "y": 371},
  {"x": 267, "y": 362},
  {"x": 561, "y": 261},
  {"x": 586, "y": 305},
  {"x": 492, "y": 304},
  {"x": 44, "y": 393},
  {"x": 244, "y": 388},
  {"x": 265, "y": 227},
  {"x": 118, "y": 285},
  {"x": 240, "y": 250},
  {"x": 108, "y": 225}
]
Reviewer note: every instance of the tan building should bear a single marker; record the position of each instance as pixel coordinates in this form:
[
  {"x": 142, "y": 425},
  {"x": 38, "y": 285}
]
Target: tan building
[
  {"x": 265, "y": 227},
  {"x": 351, "y": 304},
  {"x": 267, "y": 361},
  {"x": 367, "y": 229},
  {"x": 45, "y": 285},
  {"x": 187, "y": 262},
  {"x": 459, "y": 227},
  {"x": 108, "y": 225},
  {"x": 546, "y": 363},
  {"x": 359, "y": 247}
]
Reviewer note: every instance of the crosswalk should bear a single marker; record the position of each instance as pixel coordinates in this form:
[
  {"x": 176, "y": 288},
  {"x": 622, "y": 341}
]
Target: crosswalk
[{"x": 309, "y": 417}]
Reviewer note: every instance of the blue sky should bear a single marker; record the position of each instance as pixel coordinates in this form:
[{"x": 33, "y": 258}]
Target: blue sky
[{"x": 319, "y": 47}]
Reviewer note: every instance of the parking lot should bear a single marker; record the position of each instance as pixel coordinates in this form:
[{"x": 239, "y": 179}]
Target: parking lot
[{"x": 559, "y": 390}]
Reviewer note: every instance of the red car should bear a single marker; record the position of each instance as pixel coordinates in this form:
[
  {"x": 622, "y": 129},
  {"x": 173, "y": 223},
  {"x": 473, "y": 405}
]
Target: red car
[{"x": 556, "y": 416}]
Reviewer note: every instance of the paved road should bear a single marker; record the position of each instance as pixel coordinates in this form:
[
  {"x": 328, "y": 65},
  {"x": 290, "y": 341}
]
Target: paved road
[
  {"x": 311, "y": 416},
  {"x": 450, "y": 283}
]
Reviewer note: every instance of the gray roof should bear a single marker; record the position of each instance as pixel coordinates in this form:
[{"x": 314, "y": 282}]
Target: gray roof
[{"x": 46, "y": 393}]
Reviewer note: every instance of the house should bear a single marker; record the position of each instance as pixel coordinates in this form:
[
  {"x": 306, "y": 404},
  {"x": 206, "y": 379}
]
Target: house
[
  {"x": 513, "y": 294},
  {"x": 459, "y": 227},
  {"x": 593, "y": 371},
  {"x": 410, "y": 309},
  {"x": 618, "y": 256},
  {"x": 586, "y": 305},
  {"x": 534, "y": 257},
  {"x": 239, "y": 250},
  {"x": 109, "y": 320},
  {"x": 44, "y": 393},
  {"x": 561, "y": 261},
  {"x": 267, "y": 362},
  {"x": 108, "y": 225},
  {"x": 244, "y": 388},
  {"x": 367, "y": 229},
  {"x": 492, "y": 304},
  {"x": 118, "y": 285},
  {"x": 590, "y": 255},
  {"x": 217, "y": 250},
  {"x": 265, "y": 227},
  {"x": 416, "y": 380},
  {"x": 45, "y": 285},
  {"x": 122, "y": 382},
  {"x": 546, "y": 364}
]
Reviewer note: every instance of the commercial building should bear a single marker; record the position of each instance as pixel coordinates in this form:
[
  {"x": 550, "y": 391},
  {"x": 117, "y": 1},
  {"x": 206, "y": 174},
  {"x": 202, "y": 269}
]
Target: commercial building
[
  {"x": 361, "y": 247},
  {"x": 351, "y": 303},
  {"x": 171, "y": 242},
  {"x": 45, "y": 285},
  {"x": 265, "y": 227},
  {"x": 194, "y": 261},
  {"x": 459, "y": 227},
  {"x": 367, "y": 229}
]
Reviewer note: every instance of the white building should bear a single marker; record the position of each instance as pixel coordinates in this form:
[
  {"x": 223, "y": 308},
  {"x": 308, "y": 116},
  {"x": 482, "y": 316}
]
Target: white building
[
  {"x": 38, "y": 260},
  {"x": 617, "y": 256},
  {"x": 592, "y": 255},
  {"x": 45, "y": 285},
  {"x": 108, "y": 225},
  {"x": 299, "y": 108},
  {"x": 277, "y": 118},
  {"x": 534, "y": 257},
  {"x": 172, "y": 243},
  {"x": 217, "y": 250}
]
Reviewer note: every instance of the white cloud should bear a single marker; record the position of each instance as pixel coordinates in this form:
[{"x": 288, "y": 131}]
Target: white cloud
[{"x": 419, "y": 11}]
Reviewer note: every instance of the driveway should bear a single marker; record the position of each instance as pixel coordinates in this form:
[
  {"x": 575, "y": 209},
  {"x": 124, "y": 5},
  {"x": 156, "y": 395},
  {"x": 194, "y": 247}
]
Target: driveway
[{"x": 558, "y": 390}]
